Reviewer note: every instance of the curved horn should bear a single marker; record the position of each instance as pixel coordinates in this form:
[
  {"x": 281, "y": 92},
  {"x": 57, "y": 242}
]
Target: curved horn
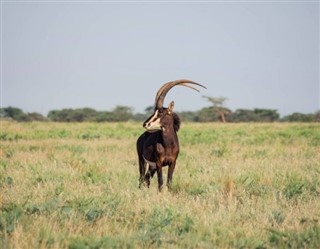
[{"x": 161, "y": 94}]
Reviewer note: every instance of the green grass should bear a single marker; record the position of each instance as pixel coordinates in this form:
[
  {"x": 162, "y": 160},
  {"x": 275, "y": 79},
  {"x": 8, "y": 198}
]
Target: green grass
[{"x": 75, "y": 185}]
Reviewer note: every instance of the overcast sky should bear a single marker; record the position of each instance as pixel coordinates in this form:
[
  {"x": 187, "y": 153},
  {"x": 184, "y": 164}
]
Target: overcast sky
[{"x": 71, "y": 54}]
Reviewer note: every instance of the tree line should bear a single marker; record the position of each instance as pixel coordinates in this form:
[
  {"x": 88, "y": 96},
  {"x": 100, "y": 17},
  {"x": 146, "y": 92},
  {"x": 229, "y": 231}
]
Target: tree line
[{"x": 124, "y": 113}]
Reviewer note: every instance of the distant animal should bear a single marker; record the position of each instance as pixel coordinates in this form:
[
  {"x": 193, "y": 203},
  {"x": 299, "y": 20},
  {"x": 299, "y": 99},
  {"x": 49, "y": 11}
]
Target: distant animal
[{"x": 159, "y": 145}]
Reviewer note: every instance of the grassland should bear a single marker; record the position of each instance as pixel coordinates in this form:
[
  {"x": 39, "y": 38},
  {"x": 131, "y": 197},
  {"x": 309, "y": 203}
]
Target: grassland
[{"x": 235, "y": 186}]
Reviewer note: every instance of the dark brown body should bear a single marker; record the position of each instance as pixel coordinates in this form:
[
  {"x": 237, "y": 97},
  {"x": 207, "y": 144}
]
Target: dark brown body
[
  {"x": 159, "y": 145},
  {"x": 157, "y": 149}
]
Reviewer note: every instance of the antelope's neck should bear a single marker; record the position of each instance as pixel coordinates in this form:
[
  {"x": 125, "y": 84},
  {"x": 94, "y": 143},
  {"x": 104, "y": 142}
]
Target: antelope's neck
[{"x": 169, "y": 135}]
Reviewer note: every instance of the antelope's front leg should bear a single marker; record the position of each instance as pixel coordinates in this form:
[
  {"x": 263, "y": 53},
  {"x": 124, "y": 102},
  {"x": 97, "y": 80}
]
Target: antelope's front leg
[
  {"x": 160, "y": 178},
  {"x": 170, "y": 173}
]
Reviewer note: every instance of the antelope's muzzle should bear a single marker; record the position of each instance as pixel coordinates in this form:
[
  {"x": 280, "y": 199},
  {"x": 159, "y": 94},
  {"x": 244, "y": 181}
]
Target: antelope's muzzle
[{"x": 153, "y": 122}]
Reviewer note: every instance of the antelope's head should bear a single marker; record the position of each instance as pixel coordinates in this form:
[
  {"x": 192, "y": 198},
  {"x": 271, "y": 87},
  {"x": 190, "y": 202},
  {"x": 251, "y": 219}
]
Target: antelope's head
[{"x": 162, "y": 116}]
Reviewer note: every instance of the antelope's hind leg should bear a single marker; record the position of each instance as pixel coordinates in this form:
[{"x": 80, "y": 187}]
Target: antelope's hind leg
[
  {"x": 147, "y": 177},
  {"x": 145, "y": 173},
  {"x": 142, "y": 170}
]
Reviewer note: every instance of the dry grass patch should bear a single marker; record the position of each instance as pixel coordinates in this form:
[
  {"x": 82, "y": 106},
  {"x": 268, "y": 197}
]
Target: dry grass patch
[{"x": 235, "y": 185}]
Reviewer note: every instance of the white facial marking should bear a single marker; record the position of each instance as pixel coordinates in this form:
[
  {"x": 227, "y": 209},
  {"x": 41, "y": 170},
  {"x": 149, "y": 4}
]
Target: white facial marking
[{"x": 154, "y": 122}]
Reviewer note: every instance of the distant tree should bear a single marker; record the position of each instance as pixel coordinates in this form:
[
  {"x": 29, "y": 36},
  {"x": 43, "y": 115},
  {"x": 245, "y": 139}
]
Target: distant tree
[
  {"x": 188, "y": 116},
  {"x": 14, "y": 113},
  {"x": 34, "y": 116},
  {"x": 208, "y": 115},
  {"x": 244, "y": 115},
  {"x": 76, "y": 115},
  {"x": 104, "y": 116},
  {"x": 256, "y": 115},
  {"x": 122, "y": 113},
  {"x": 267, "y": 115},
  {"x": 300, "y": 117},
  {"x": 3, "y": 113},
  {"x": 83, "y": 115},
  {"x": 139, "y": 117},
  {"x": 53, "y": 115},
  {"x": 317, "y": 116},
  {"x": 119, "y": 113},
  {"x": 216, "y": 101},
  {"x": 64, "y": 115},
  {"x": 218, "y": 107},
  {"x": 73, "y": 115}
]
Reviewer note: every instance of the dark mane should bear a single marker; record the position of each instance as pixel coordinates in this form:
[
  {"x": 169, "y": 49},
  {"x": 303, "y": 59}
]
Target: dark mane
[{"x": 176, "y": 122}]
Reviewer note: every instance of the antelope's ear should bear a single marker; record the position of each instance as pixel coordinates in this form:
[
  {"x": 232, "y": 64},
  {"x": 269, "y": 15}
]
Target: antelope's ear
[{"x": 170, "y": 108}]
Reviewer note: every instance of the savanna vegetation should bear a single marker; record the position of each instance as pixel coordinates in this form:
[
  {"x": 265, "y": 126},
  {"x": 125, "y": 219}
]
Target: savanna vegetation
[
  {"x": 125, "y": 113},
  {"x": 75, "y": 185}
]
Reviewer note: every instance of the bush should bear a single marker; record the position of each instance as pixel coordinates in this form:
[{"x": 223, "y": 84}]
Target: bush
[
  {"x": 14, "y": 113},
  {"x": 299, "y": 117}
]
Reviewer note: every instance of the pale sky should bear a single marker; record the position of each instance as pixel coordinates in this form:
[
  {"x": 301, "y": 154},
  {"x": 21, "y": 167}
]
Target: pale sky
[{"x": 72, "y": 54}]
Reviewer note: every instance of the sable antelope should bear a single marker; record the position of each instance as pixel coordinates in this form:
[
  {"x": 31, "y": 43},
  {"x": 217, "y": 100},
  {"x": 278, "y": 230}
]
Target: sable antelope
[{"x": 159, "y": 145}]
